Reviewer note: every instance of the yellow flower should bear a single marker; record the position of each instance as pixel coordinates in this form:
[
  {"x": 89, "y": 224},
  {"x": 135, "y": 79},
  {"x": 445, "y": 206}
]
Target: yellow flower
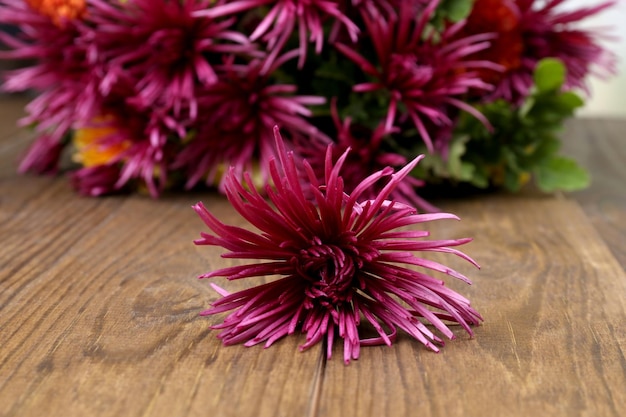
[
  {"x": 91, "y": 150},
  {"x": 524, "y": 177},
  {"x": 498, "y": 173}
]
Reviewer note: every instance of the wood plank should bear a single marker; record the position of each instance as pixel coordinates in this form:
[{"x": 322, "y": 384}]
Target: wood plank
[
  {"x": 599, "y": 146},
  {"x": 13, "y": 140},
  {"x": 553, "y": 340},
  {"x": 11, "y": 109},
  {"x": 99, "y": 304},
  {"x": 99, "y": 313}
]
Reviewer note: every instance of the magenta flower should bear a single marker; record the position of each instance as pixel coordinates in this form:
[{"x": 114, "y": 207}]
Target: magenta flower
[
  {"x": 148, "y": 163},
  {"x": 238, "y": 113},
  {"x": 162, "y": 50},
  {"x": 279, "y": 23},
  {"x": 427, "y": 76},
  {"x": 42, "y": 156},
  {"x": 94, "y": 181},
  {"x": 529, "y": 31},
  {"x": 367, "y": 155},
  {"x": 548, "y": 32},
  {"x": 415, "y": 6},
  {"x": 56, "y": 50},
  {"x": 339, "y": 259}
]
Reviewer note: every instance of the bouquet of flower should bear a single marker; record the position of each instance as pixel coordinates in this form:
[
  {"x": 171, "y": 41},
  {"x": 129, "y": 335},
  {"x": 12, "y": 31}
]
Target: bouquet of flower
[{"x": 156, "y": 94}]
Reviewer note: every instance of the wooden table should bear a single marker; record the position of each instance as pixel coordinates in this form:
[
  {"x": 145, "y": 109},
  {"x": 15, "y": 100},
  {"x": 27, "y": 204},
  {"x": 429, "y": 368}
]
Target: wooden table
[{"x": 99, "y": 306}]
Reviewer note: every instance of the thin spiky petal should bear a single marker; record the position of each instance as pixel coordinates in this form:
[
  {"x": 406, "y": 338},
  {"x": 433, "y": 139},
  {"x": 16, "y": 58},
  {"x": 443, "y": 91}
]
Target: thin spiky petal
[{"x": 337, "y": 261}]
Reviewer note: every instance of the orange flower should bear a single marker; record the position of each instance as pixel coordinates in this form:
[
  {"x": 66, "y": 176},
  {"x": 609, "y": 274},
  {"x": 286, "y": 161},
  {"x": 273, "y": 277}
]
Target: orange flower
[
  {"x": 92, "y": 146},
  {"x": 502, "y": 18},
  {"x": 60, "y": 10}
]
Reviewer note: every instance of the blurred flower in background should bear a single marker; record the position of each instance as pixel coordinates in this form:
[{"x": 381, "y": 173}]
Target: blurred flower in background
[{"x": 172, "y": 93}]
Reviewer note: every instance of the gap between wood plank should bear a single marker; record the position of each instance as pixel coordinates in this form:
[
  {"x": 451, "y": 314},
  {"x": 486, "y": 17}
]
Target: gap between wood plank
[{"x": 318, "y": 383}]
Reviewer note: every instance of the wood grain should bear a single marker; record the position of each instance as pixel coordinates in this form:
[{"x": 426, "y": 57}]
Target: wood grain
[
  {"x": 100, "y": 315},
  {"x": 600, "y": 146},
  {"x": 553, "y": 338},
  {"x": 13, "y": 140},
  {"x": 99, "y": 312}
]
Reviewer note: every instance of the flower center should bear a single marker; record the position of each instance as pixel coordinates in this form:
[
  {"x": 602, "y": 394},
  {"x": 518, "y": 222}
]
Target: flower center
[
  {"x": 405, "y": 70},
  {"x": 331, "y": 272}
]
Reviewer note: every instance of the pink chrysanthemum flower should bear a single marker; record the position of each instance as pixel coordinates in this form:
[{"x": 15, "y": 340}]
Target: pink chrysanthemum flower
[
  {"x": 97, "y": 180},
  {"x": 42, "y": 156},
  {"x": 391, "y": 5},
  {"x": 238, "y": 113},
  {"x": 367, "y": 155},
  {"x": 162, "y": 49},
  {"x": 531, "y": 30},
  {"x": 425, "y": 73},
  {"x": 340, "y": 260},
  {"x": 57, "y": 69},
  {"x": 279, "y": 23},
  {"x": 548, "y": 32}
]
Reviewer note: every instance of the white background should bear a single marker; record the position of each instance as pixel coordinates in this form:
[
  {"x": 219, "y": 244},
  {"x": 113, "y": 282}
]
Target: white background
[{"x": 608, "y": 97}]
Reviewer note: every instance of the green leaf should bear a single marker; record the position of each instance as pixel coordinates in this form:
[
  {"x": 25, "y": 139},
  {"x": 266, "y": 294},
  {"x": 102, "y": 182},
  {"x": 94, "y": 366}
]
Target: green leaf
[
  {"x": 549, "y": 74},
  {"x": 570, "y": 101},
  {"x": 455, "y": 152},
  {"x": 480, "y": 178},
  {"x": 450, "y": 11},
  {"x": 524, "y": 140},
  {"x": 560, "y": 173},
  {"x": 466, "y": 172},
  {"x": 457, "y": 9},
  {"x": 545, "y": 150},
  {"x": 526, "y": 106},
  {"x": 512, "y": 181}
]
